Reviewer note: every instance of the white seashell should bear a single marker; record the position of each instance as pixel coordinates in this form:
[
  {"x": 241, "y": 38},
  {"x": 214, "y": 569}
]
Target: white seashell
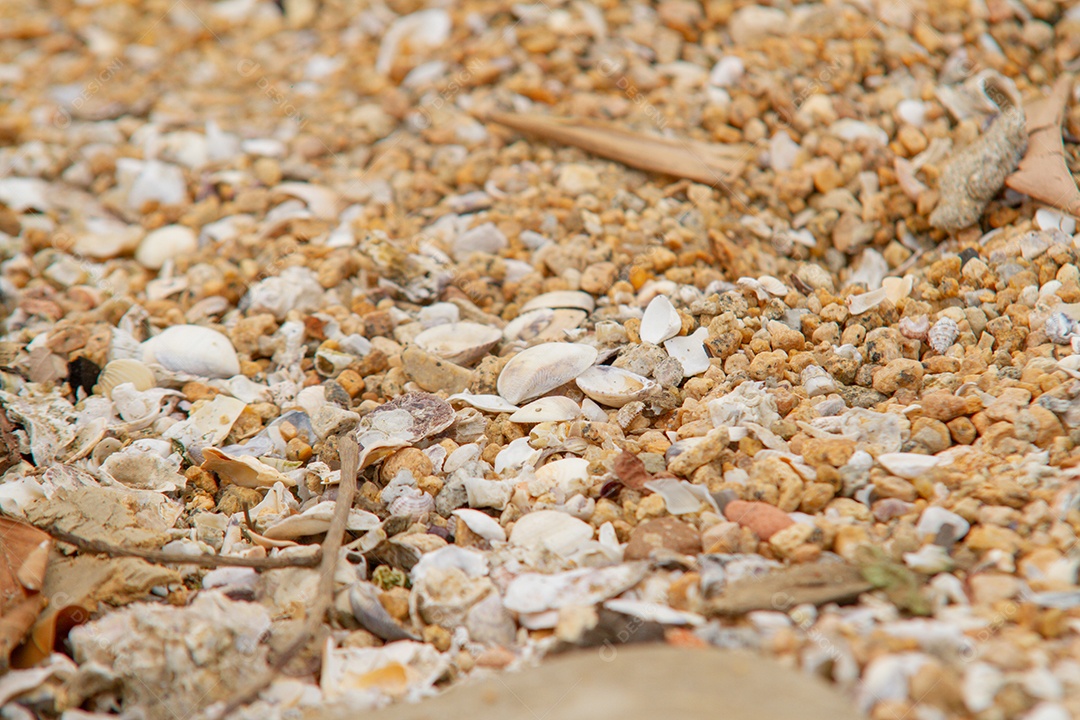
[
  {"x": 487, "y": 403},
  {"x": 851, "y": 130},
  {"x": 321, "y": 201},
  {"x": 942, "y": 334},
  {"x": 194, "y": 350},
  {"x": 543, "y": 323},
  {"x": 570, "y": 474},
  {"x": 552, "y": 530},
  {"x": 907, "y": 178},
  {"x": 774, "y": 286},
  {"x": 614, "y": 386},
  {"x": 913, "y": 112},
  {"x": 482, "y": 524},
  {"x": 858, "y": 304},
  {"x": 488, "y": 493},
  {"x": 728, "y": 71},
  {"x": 536, "y": 593},
  {"x": 897, "y": 289},
  {"x": 331, "y": 363},
  {"x": 424, "y": 29},
  {"x": 460, "y": 342},
  {"x": 574, "y": 299},
  {"x": 817, "y": 381},
  {"x": 556, "y": 408},
  {"x": 914, "y": 327},
  {"x": 21, "y": 194},
  {"x": 653, "y": 612},
  {"x": 690, "y": 352},
  {"x": 208, "y": 425},
  {"x": 543, "y": 368},
  {"x": 1059, "y": 327},
  {"x": 929, "y": 559},
  {"x": 935, "y": 517},
  {"x": 316, "y": 519},
  {"x": 910, "y": 466},
  {"x": 412, "y": 502},
  {"x": 243, "y": 470},
  {"x": 515, "y": 455},
  {"x": 681, "y": 497},
  {"x": 166, "y": 243},
  {"x": 593, "y": 412},
  {"x": 486, "y": 238},
  {"x": 124, "y": 371},
  {"x": 140, "y": 409},
  {"x": 783, "y": 151},
  {"x": 660, "y": 322},
  {"x": 144, "y": 470}
]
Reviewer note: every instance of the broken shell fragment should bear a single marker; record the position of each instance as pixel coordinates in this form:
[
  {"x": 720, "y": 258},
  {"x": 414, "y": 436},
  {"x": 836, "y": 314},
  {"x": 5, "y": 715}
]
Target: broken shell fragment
[
  {"x": 614, "y": 386},
  {"x": 544, "y": 323},
  {"x": 562, "y": 299},
  {"x": 660, "y": 322},
  {"x": 487, "y": 403},
  {"x": 551, "y": 530},
  {"x": 121, "y": 371},
  {"x": 192, "y": 349},
  {"x": 547, "y": 409},
  {"x": 482, "y": 524},
  {"x": 542, "y": 368},
  {"x": 243, "y": 470},
  {"x": 689, "y": 350},
  {"x": 858, "y": 304},
  {"x": 316, "y": 520},
  {"x": 463, "y": 343}
]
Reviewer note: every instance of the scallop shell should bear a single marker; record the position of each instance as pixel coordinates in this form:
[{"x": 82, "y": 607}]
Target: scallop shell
[
  {"x": 124, "y": 371},
  {"x": 773, "y": 286},
  {"x": 461, "y": 342},
  {"x": 943, "y": 334},
  {"x": 556, "y": 408},
  {"x": 1059, "y": 328},
  {"x": 614, "y": 386},
  {"x": 660, "y": 322},
  {"x": 543, "y": 368},
  {"x": 194, "y": 350},
  {"x": 915, "y": 327},
  {"x": 561, "y": 299}
]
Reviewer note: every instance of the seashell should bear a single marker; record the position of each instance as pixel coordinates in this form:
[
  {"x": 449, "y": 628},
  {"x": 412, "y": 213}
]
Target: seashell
[
  {"x": 412, "y": 502},
  {"x": 690, "y": 352},
  {"x": 166, "y": 243},
  {"x": 124, "y": 371},
  {"x": 208, "y": 425},
  {"x": 482, "y": 524},
  {"x": 316, "y": 519},
  {"x": 87, "y": 438},
  {"x": 910, "y": 466},
  {"x": 23, "y": 193},
  {"x": 727, "y": 72},
  {"x": 942, "y": 334},
  {"x": 487, "y": 403},
  {"x": 542, "y": 368},
  {"x": 488, "y": 493},
  {"x": 536, "y": 592},
  {"x": 569, "y": 474},
  {"x": 372, "y": 616},
  {"x": 858, "y": 304},
  {"x": 463, "y": 343},
  {"x": 653, "y": 612},
  {"x": 614, "y": 386},
  {"x": 773, "y": 286},
  {"x": 543, "y": 323},
  {"x": 681, "y": 497},
  {"x": 331, "y": 363},
  {"x": 575, "y": 299},
  {"x": 817, "y": 381},
  {"x": 485, "y": 238},
  {"x": 105, "y": 448},
  {"x": 243, "y": 470},
  {"x": 194, "y": 350},
  {"x": 141, "y": 409},
  {"x": 660, "y": 322},
  {"x": 427, "y": 28},
  {"x": 321, "y": 201},
  {"x": 144, "y": 470},
  {"x": 897, "y": 289},
  {"x": 547, "y": 409},
  {"x": 551, "y": 530},
  {"x": 936, "y": 517},
  {"x": 1059, "y": 327},
  {"x": 411, "y": 417},
  {"x": 914, "y": 327}
]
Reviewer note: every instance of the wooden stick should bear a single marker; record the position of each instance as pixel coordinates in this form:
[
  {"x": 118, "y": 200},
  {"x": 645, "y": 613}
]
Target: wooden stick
[{"x": 350, "y": 466}]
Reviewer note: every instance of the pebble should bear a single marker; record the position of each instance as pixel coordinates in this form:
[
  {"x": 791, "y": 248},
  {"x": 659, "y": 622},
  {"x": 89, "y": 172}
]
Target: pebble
[
  {"x": 763, "y": 519},
  {"x": 665, "y": 533}
]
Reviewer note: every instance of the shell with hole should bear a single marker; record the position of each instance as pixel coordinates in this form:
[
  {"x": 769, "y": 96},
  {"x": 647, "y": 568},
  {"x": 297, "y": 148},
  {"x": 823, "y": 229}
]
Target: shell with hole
[
  {"x": 556, "y": 408},
  {"x": 463, "y": 343},
  {"x": 542, "y": 368},
  {"x": 121, "y": 371},
  {"x": 614, "y": 386}
]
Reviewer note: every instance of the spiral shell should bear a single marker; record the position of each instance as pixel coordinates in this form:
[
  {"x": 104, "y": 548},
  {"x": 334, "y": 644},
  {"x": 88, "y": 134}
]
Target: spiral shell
[
  {"x": 122, "y": 371},
  {"x": 943, "y": 334},
  {"x": 1059, "y": 328},
  {"x": 915, "y": 327},
  {"x": 412, "y": 503}
]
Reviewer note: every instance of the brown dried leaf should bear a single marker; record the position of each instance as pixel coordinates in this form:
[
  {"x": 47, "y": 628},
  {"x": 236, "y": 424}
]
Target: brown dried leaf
[
  {"x": 631, "y": 471},
  {"x": 1043, "y": 174},
  {"x": 24, "y": 555},
  {"x": 701, "y": 162}
]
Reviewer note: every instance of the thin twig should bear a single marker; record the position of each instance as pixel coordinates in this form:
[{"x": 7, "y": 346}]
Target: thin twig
[
  {"x": 350, "y": 464},
  {"x": 170, "y": 558}
]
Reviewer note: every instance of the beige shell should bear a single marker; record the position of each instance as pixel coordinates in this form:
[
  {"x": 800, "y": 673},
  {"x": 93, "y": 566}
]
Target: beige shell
[
  {"x": 542, "y": 368},
  {"x": 463, "y": 343},
  {"x": 562, "y": 299},
  {"x": 614, "y": 386},
  {"x": 556, "y": 408},
  {"x": 123, "y": 371},
  {"x": 543, "y": 323}
]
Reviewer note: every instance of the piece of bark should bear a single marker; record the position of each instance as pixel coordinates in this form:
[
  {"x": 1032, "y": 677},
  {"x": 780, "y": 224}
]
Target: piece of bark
[
  {"x": 784, "y": 589},
  {"x": 707, "y": 163},
  {"x": 1043, "y": 174}
]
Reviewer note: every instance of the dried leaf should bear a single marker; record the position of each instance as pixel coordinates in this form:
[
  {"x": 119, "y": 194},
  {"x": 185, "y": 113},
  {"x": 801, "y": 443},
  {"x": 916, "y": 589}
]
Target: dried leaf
[
  {"x": 781, "y": 590},
  {"x": 24, "y": 556},
  {"x": 631, "y": 471},
  {"x": 1043, "y": 174},
  {"x": 701, "y": 162}
]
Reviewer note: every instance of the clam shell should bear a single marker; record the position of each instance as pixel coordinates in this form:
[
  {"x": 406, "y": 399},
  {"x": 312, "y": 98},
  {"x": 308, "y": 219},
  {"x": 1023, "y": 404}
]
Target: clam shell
[
  {"x": 536, "y": 592},
  {"x": 543, "y": 368},
  {"x": 124, "y": 371},
  {"x": 461, "y": 342},
  {"x": 660, "y": 322},
  {"x": 330, "y": 363},
  {"x": 316, "y": 519},
  {"x": 547, "y": 409},
  {"x": 410, "y": 418},
  {"x": 614, "y": 386},
  {"x": 544, "y": 323},
  {"x": 243, "y": 470},
  {"x": 552, "y": 530},
  {"x": 858, "y": 304},
  {"x": 194, "y": 350},
  {"x": 487, "y": 403},
  {"x": 482, "y": 524},
  {"x": 562, "y": 299}
]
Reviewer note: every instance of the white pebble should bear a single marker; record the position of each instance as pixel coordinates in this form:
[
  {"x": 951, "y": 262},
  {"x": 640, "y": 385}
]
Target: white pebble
[
  {"x": 165, "y": 243},
  {"x": 727, "y": 72},
  {"x": 936, "y": 517},
  {"x": 913, "y": 112}
]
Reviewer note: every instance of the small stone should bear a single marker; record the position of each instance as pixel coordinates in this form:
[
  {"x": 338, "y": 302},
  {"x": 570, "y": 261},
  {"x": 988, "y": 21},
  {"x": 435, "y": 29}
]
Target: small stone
[
  {"x": 786, "y": 541},
  {"x": 899, "y": 373},
  {"x": 784, "y": 338},
  {"x": 989, "y": 588},
  {"x": 834, "y": 452},
  {"x": 1036, "y": 424},
  {"x": 577, "y": 179},
  {"x": 432, "y": 373},
  {"x": 599, "y": 277},
  {"x": 943, "y": 406},
  {"x": 414, "y": 460},
  {"x": 667, "y": 533},
  {"x": 764, "y": 519},
  {"x": 698, "y": 453}
]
